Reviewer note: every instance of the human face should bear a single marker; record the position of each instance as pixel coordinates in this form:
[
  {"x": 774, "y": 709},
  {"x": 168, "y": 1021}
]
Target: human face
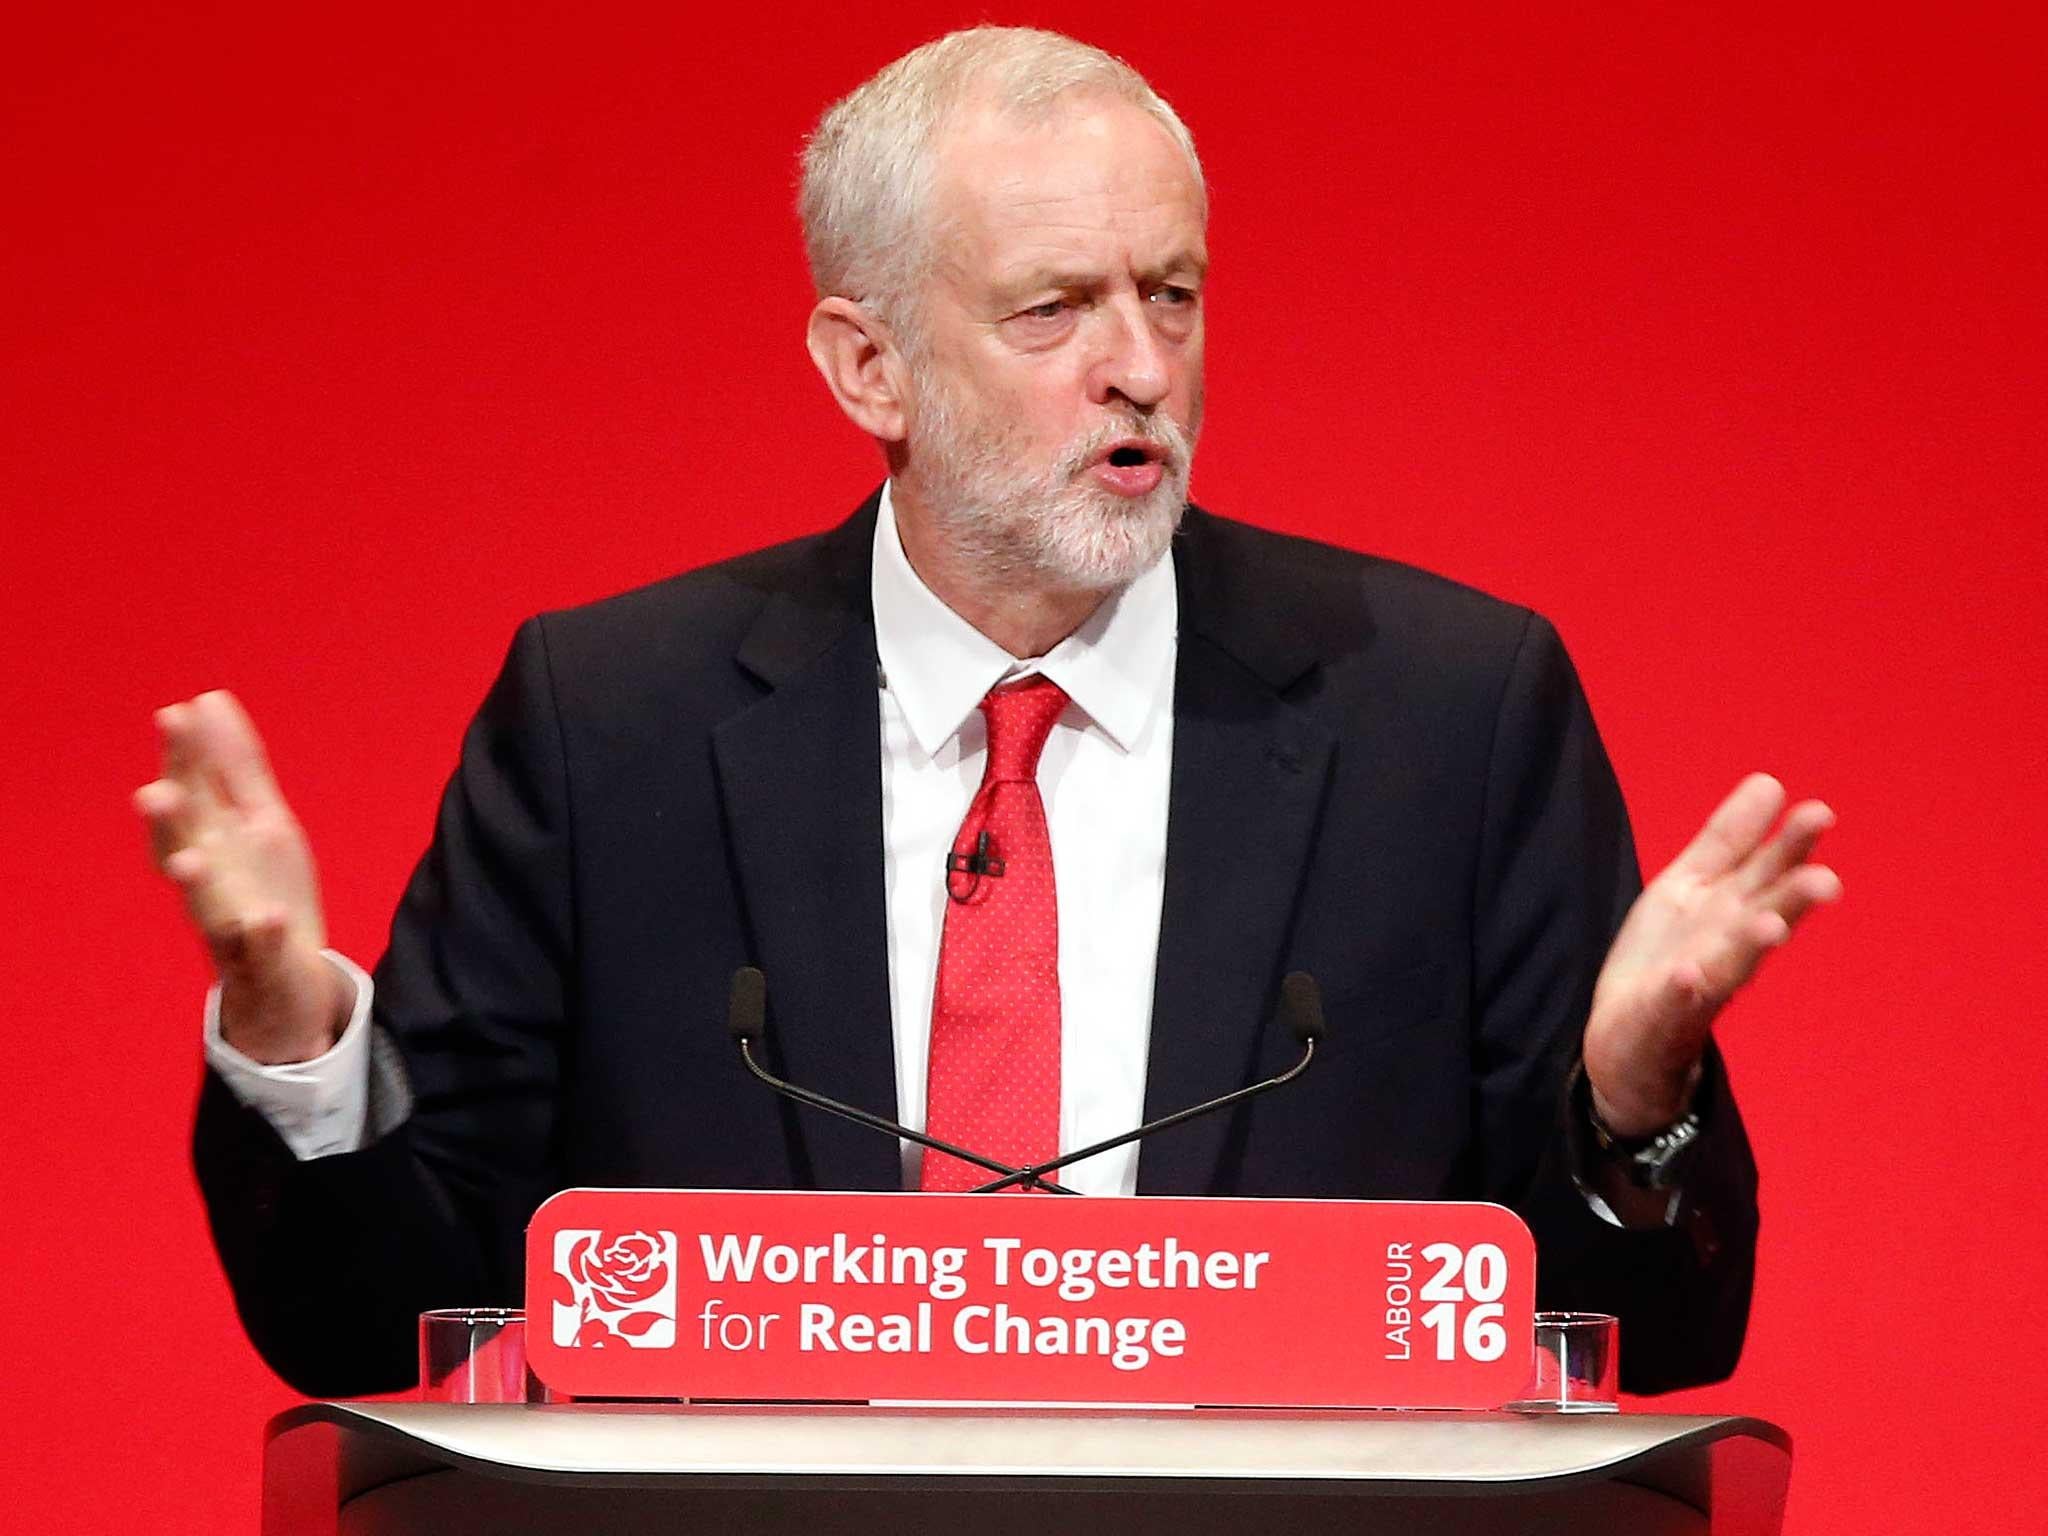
[{"x": 1057, "y": 358}]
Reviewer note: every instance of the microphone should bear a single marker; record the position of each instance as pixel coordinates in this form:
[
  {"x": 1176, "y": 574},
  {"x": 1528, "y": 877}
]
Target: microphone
[
  {"x": 1301, "y": 1010},
  {"x": 746, "y": 1019}
]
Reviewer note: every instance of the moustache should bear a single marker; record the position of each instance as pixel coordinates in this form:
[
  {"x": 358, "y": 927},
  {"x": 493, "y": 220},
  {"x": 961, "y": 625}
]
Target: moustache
[{"x": 1161, "y": 432}]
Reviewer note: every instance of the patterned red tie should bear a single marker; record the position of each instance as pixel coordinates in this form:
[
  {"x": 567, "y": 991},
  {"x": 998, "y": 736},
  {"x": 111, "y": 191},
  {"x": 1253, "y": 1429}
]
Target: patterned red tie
[{"x": 995, "y": 1052}]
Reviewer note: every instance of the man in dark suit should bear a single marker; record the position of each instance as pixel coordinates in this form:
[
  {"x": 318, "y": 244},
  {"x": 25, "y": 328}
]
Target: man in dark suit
[{"x": 1316, "y": 761}]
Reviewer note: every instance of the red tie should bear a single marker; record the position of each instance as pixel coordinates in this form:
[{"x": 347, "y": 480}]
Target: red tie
[{"x": 994, "y": 1080}]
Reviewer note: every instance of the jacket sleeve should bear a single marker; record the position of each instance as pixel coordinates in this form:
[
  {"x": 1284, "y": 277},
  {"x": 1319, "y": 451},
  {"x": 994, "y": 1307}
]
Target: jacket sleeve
[
  {"x": 1557, "y": 873},
  {"x": 332, "y": 1259}
]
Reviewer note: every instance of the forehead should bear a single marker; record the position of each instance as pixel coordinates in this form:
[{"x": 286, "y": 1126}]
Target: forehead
[{"x": 1097, "y": 185}]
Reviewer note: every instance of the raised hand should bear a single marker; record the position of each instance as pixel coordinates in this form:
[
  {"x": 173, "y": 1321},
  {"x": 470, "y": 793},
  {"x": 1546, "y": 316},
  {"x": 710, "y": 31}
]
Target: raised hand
[
  {"x": 1694, "y": 936},
  {"x": 222, "y": 833}
]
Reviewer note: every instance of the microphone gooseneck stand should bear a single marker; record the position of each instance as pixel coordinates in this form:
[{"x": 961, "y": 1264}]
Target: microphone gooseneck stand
[{"x": 1301, "y": 1008}]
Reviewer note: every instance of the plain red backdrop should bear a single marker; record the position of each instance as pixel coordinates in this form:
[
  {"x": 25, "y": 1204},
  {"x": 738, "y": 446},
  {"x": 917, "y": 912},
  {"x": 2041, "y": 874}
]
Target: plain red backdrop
[{"x": 335, "y": 341}]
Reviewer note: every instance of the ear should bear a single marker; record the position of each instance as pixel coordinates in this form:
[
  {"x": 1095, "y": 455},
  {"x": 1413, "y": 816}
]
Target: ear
[{"x": 858, "y": 359}]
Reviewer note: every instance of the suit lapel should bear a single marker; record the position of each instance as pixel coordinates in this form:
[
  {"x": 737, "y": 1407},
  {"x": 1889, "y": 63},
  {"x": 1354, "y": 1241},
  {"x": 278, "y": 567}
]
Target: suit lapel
[
  {"x": 800, "y": 774},
  {"x": 1249, "y": 773}
]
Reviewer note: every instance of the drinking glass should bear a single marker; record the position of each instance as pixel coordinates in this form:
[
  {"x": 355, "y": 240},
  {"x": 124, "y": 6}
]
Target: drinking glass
[
  {"x": 1575, "y": 1365},
  {"x": 476, "y": 1355}
]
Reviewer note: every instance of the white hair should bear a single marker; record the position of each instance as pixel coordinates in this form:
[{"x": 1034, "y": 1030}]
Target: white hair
[{"x": 869, "y": 167}]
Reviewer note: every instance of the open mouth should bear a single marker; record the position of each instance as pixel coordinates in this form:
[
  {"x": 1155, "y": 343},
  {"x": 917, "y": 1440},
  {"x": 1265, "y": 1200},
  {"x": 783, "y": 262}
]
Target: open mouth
[
  {"x": 1133, "y": 467},
  {"x": 1133, "y": 453}
]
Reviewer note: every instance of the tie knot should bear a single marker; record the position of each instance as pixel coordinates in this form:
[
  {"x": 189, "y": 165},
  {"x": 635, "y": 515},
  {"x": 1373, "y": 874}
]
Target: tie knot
[{"x": 1019, "y": 719}]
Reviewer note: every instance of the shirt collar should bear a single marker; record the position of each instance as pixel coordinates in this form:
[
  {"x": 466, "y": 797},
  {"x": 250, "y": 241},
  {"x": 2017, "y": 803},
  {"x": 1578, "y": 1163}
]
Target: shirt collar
[{"x": 1117, "y": 667}]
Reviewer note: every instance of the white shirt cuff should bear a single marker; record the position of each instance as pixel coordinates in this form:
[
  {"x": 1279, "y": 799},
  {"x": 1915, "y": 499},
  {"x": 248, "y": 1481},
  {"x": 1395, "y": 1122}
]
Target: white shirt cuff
[
  {"x": 1607, "y": 1213},
  {"x": 318, "y": 1107}
]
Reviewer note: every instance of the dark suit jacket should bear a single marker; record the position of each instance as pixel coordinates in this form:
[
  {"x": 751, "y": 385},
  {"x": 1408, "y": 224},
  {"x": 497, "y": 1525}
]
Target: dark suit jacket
[{"x": 1379, "y": 777}]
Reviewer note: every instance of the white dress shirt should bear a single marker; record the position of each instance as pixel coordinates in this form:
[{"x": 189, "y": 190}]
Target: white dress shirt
[{"x": 1103, "y": 776}]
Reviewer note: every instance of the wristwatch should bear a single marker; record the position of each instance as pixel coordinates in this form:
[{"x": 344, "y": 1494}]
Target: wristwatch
[{"x": 1655, "y": 1161}]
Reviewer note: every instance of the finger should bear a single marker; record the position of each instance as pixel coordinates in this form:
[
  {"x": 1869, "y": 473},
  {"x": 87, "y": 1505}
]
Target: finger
[
  {"x": 189, "y": 869},
  {"x": 232, "y": 750},
  {"x": 1801, "y": 833},
  {"x": 1729, "y": 956},
  {"x": 1725, "y": 962},
  {"x": 209, "y": 896},
  {"x": 179, "y": 726},
  {"x": 1734, "y": 830},
  {"x": 1798, "y": 891},
  {"x": 166, "y": 810}
]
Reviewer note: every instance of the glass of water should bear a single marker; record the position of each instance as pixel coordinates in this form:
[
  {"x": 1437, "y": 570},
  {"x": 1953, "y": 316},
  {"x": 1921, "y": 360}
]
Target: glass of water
[
  {"x": 476, "y": 1355},
  {"x": 1574, "y": 1365}
]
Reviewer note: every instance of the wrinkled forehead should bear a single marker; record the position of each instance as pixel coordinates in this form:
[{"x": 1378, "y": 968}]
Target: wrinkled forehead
[{"x": 1088, "y": 176}]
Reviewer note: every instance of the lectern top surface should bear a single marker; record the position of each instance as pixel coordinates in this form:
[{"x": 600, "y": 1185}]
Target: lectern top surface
[{"x": 644, "y": 1441}]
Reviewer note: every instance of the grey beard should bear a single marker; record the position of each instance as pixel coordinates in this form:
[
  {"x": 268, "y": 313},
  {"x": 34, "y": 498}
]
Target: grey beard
[{"x": 1010, "y": 524}]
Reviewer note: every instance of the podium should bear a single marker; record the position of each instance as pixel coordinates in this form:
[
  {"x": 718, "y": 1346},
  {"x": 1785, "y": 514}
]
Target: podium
[{"x": 380, "y": 1469}]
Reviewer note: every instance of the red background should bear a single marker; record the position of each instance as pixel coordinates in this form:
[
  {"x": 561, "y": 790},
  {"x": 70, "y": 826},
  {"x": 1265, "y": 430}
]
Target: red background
[{"x": 336, "y": 341}]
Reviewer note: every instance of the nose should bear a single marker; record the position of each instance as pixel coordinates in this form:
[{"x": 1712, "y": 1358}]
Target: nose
[{"x": 1134, "y": 362}]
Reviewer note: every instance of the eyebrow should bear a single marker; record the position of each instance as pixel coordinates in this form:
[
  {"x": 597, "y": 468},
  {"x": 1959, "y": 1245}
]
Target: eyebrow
[{"x": 1034, "y": 278}]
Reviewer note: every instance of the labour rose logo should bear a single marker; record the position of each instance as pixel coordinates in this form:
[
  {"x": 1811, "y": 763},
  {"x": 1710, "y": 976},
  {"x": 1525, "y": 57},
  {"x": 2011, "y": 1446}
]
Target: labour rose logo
[{"x": 623, "y": 1287}]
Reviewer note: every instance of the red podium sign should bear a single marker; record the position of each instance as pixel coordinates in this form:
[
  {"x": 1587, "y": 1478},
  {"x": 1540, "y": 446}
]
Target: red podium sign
[{"x": 1021, "y": 1299}]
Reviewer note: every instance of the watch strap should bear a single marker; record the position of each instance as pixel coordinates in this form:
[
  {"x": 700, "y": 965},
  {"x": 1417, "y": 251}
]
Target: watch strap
[{"x": 1655, "y": 1161}]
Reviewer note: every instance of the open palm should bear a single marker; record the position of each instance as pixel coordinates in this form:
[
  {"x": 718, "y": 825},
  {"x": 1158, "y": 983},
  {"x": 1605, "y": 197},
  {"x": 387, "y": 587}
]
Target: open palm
[{"x": 1694, "y": 936}]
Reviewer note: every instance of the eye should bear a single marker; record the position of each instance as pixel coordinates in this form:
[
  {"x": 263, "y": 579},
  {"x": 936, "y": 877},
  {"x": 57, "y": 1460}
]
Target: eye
[
  {"x": 1172, "y": 296},
  {"x": 1051, "y": 309}
]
